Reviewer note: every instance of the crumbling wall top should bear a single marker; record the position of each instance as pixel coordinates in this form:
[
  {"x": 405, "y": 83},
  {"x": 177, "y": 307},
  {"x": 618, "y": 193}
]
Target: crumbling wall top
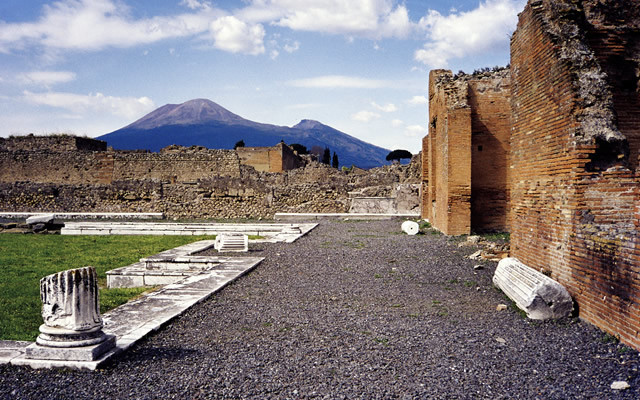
[{"x": 566, "y": 23}]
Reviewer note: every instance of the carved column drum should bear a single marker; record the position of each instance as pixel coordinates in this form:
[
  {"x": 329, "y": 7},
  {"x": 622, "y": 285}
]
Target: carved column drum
[{"x": 70, "y": 309}]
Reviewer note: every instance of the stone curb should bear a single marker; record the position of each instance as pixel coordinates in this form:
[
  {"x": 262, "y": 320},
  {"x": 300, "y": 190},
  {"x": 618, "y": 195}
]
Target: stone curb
[
  {"x": 353, "y": 216},
  {"x": 136, "y": 319}
]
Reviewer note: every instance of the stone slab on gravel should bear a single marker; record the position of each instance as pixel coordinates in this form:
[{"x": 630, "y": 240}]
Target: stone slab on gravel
[{"x": 271, "y": 233}]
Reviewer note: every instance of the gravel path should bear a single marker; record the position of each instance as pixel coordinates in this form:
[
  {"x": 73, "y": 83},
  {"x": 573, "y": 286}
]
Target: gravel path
[{"x": 354, "y": 310}]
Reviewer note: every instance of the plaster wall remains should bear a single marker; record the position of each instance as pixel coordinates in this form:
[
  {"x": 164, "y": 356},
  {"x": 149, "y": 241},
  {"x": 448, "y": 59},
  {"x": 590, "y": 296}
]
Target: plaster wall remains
[
  {"x": 465, "y": 172},
  {"x": 574, "y": 154}
]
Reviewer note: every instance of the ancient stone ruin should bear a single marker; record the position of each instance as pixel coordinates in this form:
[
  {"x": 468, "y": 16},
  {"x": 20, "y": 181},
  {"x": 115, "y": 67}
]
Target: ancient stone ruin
[
  {"x": 549, "y": 151},
  {"x": 72, "y": 328},
  {"x": 69, "y": 174}
]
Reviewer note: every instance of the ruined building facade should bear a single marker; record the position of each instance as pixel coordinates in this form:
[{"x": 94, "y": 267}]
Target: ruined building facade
[
  {"x": 572, "y": 179},
  {"x": 466, "y": 153}
]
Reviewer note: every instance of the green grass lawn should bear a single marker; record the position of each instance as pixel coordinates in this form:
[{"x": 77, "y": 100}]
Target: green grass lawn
[{"x": 25, "y": 259}]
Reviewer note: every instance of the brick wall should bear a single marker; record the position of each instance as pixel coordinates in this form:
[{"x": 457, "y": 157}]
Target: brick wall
[
  {"x": 424, "y": 178},
  {"x": 465, "y": 172},
  {"x": 489, "y": 98},
  {"x": 574, "y": 146}
]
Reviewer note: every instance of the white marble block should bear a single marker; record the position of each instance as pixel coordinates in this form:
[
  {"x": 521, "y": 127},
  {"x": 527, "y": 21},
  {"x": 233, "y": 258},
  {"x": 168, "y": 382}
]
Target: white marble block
[
  {"x": 40, "y": 219},
  {"x": 232, "y": 242},
  {"x": 410, "y": 227},
  {"x": 536, "y": 294}
]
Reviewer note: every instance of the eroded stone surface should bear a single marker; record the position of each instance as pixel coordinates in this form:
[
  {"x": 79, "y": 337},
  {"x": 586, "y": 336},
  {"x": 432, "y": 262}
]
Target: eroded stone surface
[
  {"x": 536, "y": 294},
  {"x": 70, "y": 300},
  {"x": 72, "y": 329}
]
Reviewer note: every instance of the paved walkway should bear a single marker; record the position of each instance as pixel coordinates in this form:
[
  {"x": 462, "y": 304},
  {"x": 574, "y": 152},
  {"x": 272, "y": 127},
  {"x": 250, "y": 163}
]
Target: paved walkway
[{"x": 354, "y": 310}]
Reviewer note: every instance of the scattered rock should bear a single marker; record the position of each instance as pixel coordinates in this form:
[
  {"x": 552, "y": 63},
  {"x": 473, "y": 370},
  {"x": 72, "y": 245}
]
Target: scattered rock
[
  {"x": 477, "y": 255},
  {"x": 501, "y": 340},
  {"x": 473, "y": 239},
  {"x": 39, "y": 228},
  {"x": 620, "y": 385},
  {"x": 478, "y": 267},
  {"x": 501, "y": 307}
]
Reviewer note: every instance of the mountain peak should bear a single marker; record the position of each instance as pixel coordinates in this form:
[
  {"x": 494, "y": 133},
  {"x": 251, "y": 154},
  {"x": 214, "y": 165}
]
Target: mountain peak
[
  {"x": 192, "y": 112},
  {"x": 309, "y": 124}
]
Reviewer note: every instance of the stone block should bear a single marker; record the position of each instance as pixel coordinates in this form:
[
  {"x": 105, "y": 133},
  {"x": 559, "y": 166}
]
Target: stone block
[
  {"x": 410, "y": 227},
  {"x": 40, "y": 219},
  {"x": 83, "y": 353},
  {"x": 124, "y": 281},
  {"x": 229, "y": 242},
  {"x": 536, "y": 294}
]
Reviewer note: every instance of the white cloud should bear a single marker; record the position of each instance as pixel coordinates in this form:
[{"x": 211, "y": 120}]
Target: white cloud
[
  {"x": 196, "y": 5},
  {"x": 273, "y": 54},
  {"x": 340, "y": 81},
  {"x": 128, "y": 107},
  {"x": 46, "y": 78},
  {"x": 365, "y": 116},
  {"x": 418, "y": 100},
  {"x": 292, "y": 47},
  {"x": 463, "y": 33},
  {"x": 396, "y": 123},
  {"x": 363, "y": 18},
  {"x": 98, "y": 24},
  {"x": 236, "y": 36},
  {"x": 415, "y": 131},
  {"x": 388, "y": 108}
]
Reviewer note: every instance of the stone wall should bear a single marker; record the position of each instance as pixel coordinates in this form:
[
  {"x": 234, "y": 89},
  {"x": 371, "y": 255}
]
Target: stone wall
[
  {"x": 574, "y": 154},
  {"x": 183, "y": 182},
  {"x": 54, "y": 143},
  {"x": 65, "y": 164},
  {"x": 278, "y": 158},
  {"x": 175, "y": 166},
  {"x": 465, "y": 172}
]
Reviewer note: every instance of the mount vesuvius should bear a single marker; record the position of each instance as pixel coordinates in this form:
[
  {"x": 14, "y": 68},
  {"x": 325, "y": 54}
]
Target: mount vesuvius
[{"x": 202, "y": 122}]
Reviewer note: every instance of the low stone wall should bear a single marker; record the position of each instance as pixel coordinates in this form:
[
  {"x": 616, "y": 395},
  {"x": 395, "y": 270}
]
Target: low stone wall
[{"x": 317, "y": 188}]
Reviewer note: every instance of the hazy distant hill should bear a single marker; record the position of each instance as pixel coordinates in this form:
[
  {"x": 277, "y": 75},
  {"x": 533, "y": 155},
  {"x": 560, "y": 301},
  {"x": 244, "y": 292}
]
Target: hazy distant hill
[{"x": 204, "y": 123}]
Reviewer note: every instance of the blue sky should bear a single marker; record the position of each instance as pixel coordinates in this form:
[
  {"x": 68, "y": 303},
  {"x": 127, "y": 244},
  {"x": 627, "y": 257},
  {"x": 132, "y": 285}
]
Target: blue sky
[{"x": 89, "y": 67}]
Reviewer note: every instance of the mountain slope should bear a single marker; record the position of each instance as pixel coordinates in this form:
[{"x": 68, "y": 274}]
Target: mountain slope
[{"x": 204, "y": 123}]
